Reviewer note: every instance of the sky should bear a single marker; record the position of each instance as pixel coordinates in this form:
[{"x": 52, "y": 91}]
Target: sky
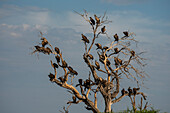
[{"x": 24, "y": 83}]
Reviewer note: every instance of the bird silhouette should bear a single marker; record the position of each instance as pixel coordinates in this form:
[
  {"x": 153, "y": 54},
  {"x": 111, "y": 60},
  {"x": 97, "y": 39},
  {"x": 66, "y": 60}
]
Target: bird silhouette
[
  {"x": 97, "y": 65},
  {"x": 57, "y": 50},
  {"x": 84, "y": 38},
  {"x": 99, "y": 46},
  {"x": 92, "y": 21},
  {"x": 103, "y": 29},
  {"x": 116, "y": 37}
]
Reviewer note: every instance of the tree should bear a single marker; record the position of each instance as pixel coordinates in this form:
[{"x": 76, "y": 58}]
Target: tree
[{"x": 116, "y": 61}]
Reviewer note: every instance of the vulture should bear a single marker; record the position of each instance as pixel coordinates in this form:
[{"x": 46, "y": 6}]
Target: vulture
[
  {"x": 92, "y": 21},
  {"x": 123, "y": 91},
  {"x": 37, "y": 47},
  {"x": 132, "y": 53},
  {"x": 90, "y": 56},
  {"x": 108, "y": 62},
  {"x": 97, "y": 19},
  {"x": 87, "y": 84},
  {"x": 117, "y": 61},
  {"x": 135, "y": 90},
  {"x": 116, "y": 50},
  {"x": 99, "y": 46},
  {"x": 80, "y": 82},
  {"x": 61, "y": 79},
  {"x": 51, "y": 76},
  {"x": 126, "y": 33},
  {"x": 57, "y": 58},
  {"x": 103, "y": 29},
  {"x": 74, "y": 72},
  {"x": 105, "y": 47},
  {"x": 120, "y": 61},
  {"x": 84, "y": 38},
  {"x": 101, "y": 58},
  {"x": 116, "y": 37},
  {"x": 97, "y": 65},
  {"x": 47, "y": 50},
  {"x": 44, "y": 42},
  {"x": 70, "y": 68},
  {"x": 57, "y": 50},
  {"x": 104, "y": 83},
  {"x": 130, "y": 91},
  {"x": 54, "y": 65},
  {"x": 64, "y": 64}
]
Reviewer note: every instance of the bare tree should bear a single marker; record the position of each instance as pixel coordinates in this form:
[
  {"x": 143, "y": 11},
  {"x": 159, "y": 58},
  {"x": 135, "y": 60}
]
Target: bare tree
[{"x": 115, "y": 61}]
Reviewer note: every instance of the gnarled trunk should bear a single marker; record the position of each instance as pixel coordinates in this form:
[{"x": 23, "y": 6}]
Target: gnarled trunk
[{"x": 108, "y": 103}]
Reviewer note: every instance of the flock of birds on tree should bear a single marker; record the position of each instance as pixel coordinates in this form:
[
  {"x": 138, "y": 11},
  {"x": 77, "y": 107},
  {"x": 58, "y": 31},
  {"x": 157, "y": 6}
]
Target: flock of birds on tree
[
  {"x": 87, "y": 83},
  {"x": 101, "y": 52}
]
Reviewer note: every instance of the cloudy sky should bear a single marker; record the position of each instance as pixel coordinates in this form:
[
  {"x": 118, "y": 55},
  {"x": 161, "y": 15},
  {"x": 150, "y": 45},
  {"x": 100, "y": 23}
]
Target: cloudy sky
[{"x": 24, "y": 83}]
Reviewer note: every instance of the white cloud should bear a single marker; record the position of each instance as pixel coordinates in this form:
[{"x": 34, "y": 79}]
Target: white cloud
[
  {"x": 13, "y": 34},
  {"x": 26, "y": 26}
]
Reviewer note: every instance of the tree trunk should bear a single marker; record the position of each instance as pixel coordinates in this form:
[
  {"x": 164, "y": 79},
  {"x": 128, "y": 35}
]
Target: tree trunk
[{"x": 108, "y": 103}]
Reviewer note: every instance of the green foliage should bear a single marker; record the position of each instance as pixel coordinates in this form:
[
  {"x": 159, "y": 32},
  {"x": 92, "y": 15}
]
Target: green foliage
[{"x": 143, "y": 111}]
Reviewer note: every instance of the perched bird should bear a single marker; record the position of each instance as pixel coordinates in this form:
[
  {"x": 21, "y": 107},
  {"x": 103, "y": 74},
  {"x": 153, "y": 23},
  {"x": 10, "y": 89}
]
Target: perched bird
[
  {"x": 47, "y": 50},
  {"x": 61, "y": 79},
  {"x": 101, "y": 58},
  {"x": 92, "y": 21},
  {"x": 116, "y": 37},
  {"x": 51, "y": 76},
  {"x": 70, "y": 68},
  {"x": 37, "y": 47},
  {"x": 57, "y": 50},
  {"x": 116, "y": 50},
  {"x": 135, "y": 90},
  {"x": 130, "y": 91},
  {"x": 132, "y": 53},
  {"x": 108, "y": 62},
  {"x": 97, "y": 19},
  {"x": 54, "y": 65},
  {"x": 44, "y": 42},
  {"x": 126, "y": 33},
  {"x": 80, "y": 82},
  {"x": 120, "y": 61},
  {"x": 97, "y": 65},
  {"x": 90, "y": 56},
  {"x": 117, "y": 61},
  {"x": 86, "y": 84},
  {"x": 72, "y": 71},
  {"x": 64, "y": 64},
  {"x": 75, "y": 72},
  {"x": 84, "y": 38},
  {"x": 103, "y": 29},
  {"x": 123, "y": 91},
  {"x": 104, "y": 83},
  {"x": 99, "y": 46},
  {"x": 105, "y": 47},
  {"x": 57, "y": 58}
]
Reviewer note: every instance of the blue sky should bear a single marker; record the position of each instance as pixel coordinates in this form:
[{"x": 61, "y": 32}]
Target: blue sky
[{"x": 24, "y": 83}]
